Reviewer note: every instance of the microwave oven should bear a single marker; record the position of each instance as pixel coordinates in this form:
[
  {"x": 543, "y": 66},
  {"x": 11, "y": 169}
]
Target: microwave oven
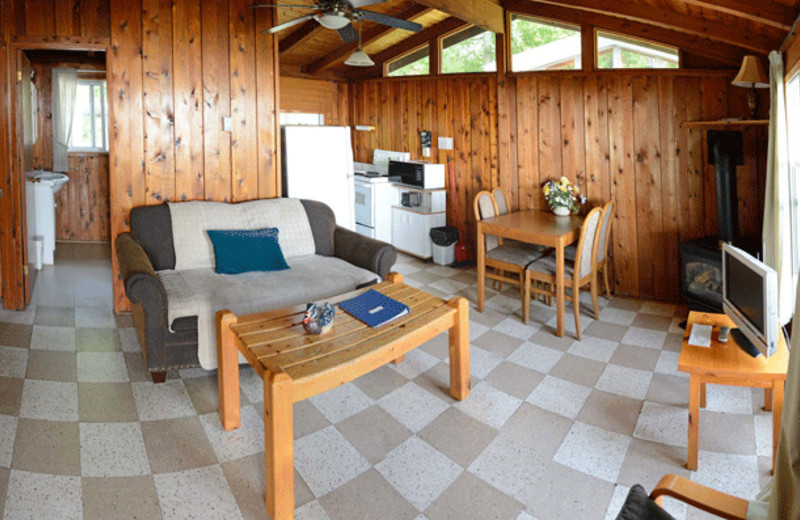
[{"x": 422, "y": 175}]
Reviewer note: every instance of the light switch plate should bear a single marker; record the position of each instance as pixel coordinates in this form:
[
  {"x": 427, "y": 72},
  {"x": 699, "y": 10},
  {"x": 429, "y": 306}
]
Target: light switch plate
[
  {"x": 227, "y": 124},
  {"x": 445, "y": 143}
]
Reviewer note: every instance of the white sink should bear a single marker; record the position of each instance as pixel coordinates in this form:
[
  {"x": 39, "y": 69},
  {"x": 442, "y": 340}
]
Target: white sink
[{"x": 59, "y": 180}]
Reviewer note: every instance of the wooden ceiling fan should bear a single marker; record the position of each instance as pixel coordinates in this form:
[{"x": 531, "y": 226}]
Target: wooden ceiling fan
[{"x": 339, "y": 15}]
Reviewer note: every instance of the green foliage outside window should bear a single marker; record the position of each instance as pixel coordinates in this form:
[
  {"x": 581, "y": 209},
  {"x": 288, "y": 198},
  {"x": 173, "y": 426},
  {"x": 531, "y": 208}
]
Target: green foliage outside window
[{"x": 472, "y": 54}]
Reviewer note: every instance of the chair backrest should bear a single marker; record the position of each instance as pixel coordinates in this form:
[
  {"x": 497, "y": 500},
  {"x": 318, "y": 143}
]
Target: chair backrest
[
  {"x": 500, "y": 200},
  {"x": 586, "y": 244},
  {"x": 605, "y": 230},
  {"x": 486, "y": 207}
]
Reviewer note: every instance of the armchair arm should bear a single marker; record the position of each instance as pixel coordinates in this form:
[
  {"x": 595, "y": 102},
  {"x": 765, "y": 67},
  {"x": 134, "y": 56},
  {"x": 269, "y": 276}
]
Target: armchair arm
[
  {"x": 700, "y": 496},
  {"x": 365, "y": 252}
]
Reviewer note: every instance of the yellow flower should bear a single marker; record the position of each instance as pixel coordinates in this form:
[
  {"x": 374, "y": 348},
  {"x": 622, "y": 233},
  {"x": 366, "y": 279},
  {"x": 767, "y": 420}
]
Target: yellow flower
[
  {"x": 546, "y": 190},
  {"x": 562, "y": 188},
  {"x": 564, "y": 181}
]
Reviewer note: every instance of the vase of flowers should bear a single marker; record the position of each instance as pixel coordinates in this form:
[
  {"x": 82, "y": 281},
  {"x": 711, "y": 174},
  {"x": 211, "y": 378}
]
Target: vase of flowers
[{"x": 563, "y": 197}]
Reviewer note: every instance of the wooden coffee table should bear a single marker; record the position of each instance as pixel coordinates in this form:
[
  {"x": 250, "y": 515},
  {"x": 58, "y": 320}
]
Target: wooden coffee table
[
  {"x": 295, "y": 366},
  {"x": 727, "y": 364}
]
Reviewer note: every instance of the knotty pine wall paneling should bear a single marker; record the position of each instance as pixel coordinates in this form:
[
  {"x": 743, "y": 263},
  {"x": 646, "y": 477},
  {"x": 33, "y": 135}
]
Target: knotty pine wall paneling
[
  {"x": 313, "y": 96},
  {"x": 617, "y": 134},
  {"x": 199, "y": 62},
  {"x": 88, "y": 18}
]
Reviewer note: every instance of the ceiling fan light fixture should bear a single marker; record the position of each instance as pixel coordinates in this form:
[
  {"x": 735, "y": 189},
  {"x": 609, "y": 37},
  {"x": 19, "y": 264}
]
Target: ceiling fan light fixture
[
  {"x": 359, "y": 59},
  {"x": 333, "y": 21}
]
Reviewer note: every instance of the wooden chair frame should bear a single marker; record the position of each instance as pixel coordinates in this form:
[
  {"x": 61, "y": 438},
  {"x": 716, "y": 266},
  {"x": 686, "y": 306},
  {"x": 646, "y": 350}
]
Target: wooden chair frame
[
  {"x": 546, "y": 283},
  {"x": 603, "y": 264},
  {"x": 700, "y": 496},
  {"x": 501, "y": 267}
]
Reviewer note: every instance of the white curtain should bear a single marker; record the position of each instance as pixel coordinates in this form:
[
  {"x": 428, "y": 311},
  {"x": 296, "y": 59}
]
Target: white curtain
[
  {"x": 777, "y": 209},
  {"x": 64, "y": 86}
]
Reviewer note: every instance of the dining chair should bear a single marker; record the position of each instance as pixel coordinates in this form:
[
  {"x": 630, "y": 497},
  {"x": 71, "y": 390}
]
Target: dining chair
[
  {"x": 602, "y": 248},
  {"x": 501, "y": 201},
  {"x": 510, "y": 259},
  {"x": 581, "y": 270}
]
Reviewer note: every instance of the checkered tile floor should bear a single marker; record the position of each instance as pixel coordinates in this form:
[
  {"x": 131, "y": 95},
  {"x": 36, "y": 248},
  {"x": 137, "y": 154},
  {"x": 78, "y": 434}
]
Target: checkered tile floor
[{"x": 554, "y": 428}]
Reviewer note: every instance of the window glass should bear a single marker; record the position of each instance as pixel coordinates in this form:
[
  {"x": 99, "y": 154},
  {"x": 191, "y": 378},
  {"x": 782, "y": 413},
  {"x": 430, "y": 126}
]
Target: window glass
[
  {"x": 544, "y": 45},
  {"x": 619, "y": 52},
  {"x": 470, "y": 50},
  {"x": 299, "y": 118},
  {"x": 416, "y": 63},
  {"x": 90, "y": 117},
  {"x": 793, "y": 121}
]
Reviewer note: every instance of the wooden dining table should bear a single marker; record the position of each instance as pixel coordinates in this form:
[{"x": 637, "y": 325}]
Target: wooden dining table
[{"x": 534, "y": 227}]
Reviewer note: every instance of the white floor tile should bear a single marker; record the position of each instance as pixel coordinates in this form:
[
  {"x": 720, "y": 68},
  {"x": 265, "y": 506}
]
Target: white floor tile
[
  {"x": 668, "y": 364},
  {"x": 113, "y": 450},
  {"x": 326, "y": 460},
  {"x": 418, "y": 472},
  {"x": 311, "y": 511},
  {"x": 594, "y": 348},
  {"x": 763, "y": 428},
  {"x": 535, "y": 357},
  {"x": 102, "y": 367},
  {"x": 415, "y": 363},
  {"x": 628, "y": 382},
  {"x": 8, "y": 433},
  {"x": 644, "y": 338},
  {"x": 235, "y": 444},
  {"x": 481, "y": 362},
  {"x": 618, "y": 316},
  {"x": 512, "y": 467},
  {"x": 342, "y": 402},
  {"x": 251, "y": 384},
  {"x": 196, "y": 493},
  {"x": 49, "y": 400},
  {"x": 489, "y": 405},
  {"x": 27, "y": 500},
  {"x": 513, "y": 327},
  {"x": 559, "y": 396},
  {"x": 166, "y": 400},
  {"x": 594, "y": 451},
  {"x": 729, "y": 399},
  {"x": 129, "y": 340},
  {"x": 53, "y": 338},
  {"x": 617, "y": 501},
  {"x": 413, "y": 406},
  {"x": 733, "y": 474},
  {"x": 95, "y": 317}
]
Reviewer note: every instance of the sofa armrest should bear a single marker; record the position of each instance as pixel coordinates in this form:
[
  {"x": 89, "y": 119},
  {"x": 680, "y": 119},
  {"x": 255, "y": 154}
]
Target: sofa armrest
[{"x": 365, "y": 252}]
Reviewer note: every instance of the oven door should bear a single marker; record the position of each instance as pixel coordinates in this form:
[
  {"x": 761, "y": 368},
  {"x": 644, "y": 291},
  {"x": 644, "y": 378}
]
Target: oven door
[{"x": 363, "y": 204}]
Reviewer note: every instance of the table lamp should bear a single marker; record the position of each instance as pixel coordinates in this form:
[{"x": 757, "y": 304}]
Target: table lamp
[{"x": 751, "y": 76}]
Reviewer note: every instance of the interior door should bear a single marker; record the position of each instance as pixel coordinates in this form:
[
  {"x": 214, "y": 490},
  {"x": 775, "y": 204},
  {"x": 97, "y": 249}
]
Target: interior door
[{"x": 24, "y": 141}]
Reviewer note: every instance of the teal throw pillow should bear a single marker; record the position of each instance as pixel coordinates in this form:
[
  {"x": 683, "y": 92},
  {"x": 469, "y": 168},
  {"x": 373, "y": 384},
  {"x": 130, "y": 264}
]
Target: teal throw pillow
[{"x": 241, "y": 251}]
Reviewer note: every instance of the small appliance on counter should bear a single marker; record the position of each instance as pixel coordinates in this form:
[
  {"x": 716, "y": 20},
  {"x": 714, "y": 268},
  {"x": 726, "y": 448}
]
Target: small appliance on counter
[
  {"x": 426, "y": 176},
  {"x": 411, "y": 199}
]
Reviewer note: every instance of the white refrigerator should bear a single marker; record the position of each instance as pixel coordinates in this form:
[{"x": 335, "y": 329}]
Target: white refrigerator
[{"x": 318, "y": 165}]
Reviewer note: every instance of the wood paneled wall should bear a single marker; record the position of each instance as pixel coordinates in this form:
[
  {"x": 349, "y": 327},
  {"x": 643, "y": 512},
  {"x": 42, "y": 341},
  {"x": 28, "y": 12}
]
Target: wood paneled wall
[
  {"x": 315, "y": 97},
  {"x": 617, "y": 134},
  {"x": 174, "y": 72},
  {"x": 61, "y": 17}
]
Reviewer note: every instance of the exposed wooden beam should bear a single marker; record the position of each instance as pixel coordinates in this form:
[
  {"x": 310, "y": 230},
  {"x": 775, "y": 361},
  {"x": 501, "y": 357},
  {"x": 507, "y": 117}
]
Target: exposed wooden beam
[
  {"x": 718, "y": 51},
  {"x": 767, "y": 12},
  {"x": 341, "y": 53},
  {"x": 409, "y": 44},
  {"x": 483, "y": 13},
  {"x": 673, "y": 20},
  {"x": 306, "y": 30}
]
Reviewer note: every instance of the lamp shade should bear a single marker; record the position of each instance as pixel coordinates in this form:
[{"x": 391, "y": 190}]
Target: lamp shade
[
  {"x": 752, "y": 74},
  {"x": 359, "y": 59},
  {"x": 333, "y": 21}
]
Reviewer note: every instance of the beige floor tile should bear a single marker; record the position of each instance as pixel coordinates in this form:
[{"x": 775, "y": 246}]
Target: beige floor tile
[
  {"x": 514, "y": 379},
  {"x": 52, "y": 366},
  {"x": 10, "y": 395},
  {"x": 307, "y": 418},
  {"x": 204, "y": 393},
  {"x": 37, "y": 441},
  {"x": 106, "y": 402},
  {"x": 116, "y": 498},
  {"x": 609, "y": 331},
  {"x": 578, "y": 369},
  {"x": 4, "y": 474},
  {"x": 635, "y": 357},
  {"x": 177, "y": 444},
  {"x": 13, "y": 361},
  {"x": 672, "y": 390},
  {"x": 367, "y": 497},
  {"x": 546, "y": 338},
  {"x": 44, "y": 337},
  {"x": 195, "y": 493},
  {"x": 646, "y": 462},
  {"x": 55, "y": 316},
  {"x": 716, "y": 433},
  {"x": 381, "y": 381},
  {"x": 537, "y": 428},
  {"x": 588, "y": 496},
  {"x": 137, "y": 370},
  {"x": 15, "y": 335},
  {"x": 498, "y": 343},
  {"x": 652, "y": 321},
  {"x": 438, "y": 347},
  {"x": 374, "y": 433},
  {"x": 611, "y": 412},
  {"x": 97, "y": 340},
  {"x": 470, "y": 498},
  {"x": 458, "y": 436}
]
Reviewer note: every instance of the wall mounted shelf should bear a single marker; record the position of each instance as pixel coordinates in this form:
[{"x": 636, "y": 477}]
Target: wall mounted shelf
[{"x": 724, "y": 123}]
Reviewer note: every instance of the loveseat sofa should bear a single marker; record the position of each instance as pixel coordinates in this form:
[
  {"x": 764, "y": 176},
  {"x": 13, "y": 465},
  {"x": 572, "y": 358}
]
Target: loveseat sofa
[{"x": 167, "y": 266}]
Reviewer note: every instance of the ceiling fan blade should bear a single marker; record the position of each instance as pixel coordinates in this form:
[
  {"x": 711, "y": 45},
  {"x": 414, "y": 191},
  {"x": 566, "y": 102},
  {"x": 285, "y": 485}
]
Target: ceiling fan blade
[
  {"x": 391, "y": 21},
  {"x": 348, "y": 33},
  {"x": 285, "y": 5},
  {"x": 364, "y": 3},
  {"x": 290, "y": 23}
]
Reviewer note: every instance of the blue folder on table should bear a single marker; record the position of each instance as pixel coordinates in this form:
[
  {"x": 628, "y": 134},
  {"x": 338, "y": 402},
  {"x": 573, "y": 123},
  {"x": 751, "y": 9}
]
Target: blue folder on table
[{"x": 374, "y": 309}]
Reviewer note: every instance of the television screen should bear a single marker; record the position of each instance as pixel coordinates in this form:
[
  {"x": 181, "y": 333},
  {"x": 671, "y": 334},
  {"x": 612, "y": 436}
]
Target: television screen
[{"x": 745, "y": 291}]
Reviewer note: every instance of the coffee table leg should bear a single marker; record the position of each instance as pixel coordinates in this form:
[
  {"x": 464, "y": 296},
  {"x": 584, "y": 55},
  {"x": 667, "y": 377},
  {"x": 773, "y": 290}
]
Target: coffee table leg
[
  {"x": 694, "y": 421},
  {"x": 459, "y": 350},
  {"x": 279, "y": 446},
  {"x": 227, "y": 372},
  {"x": 396, "y": 278},
  {"x": 777, "y": 410}
]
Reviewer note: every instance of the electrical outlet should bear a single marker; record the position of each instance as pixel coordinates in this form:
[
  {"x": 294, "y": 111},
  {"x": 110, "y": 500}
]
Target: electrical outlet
[
  {"x": 445, "y": 143},
  {"x": 227, "y": 124}
]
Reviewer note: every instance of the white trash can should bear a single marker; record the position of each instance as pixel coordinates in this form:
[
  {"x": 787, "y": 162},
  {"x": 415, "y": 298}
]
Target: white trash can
[
  {"x": 443, "y": 244},
  {"x": 444, "y": 255},
  {"x": 38, "y": 252}
]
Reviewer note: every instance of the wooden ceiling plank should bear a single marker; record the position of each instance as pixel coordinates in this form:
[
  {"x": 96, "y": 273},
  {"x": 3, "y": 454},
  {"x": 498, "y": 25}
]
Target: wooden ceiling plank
[
  {"x": 673, "y": 20},
  {"x": 769, "y": 13},
  {"x": 719, "y": 51},
  {"x": 306, "y": 30},
  {"x": 409, "y": 44},
  {"x": 482, "y": 13},
  {"x": 341, "y": 53}
]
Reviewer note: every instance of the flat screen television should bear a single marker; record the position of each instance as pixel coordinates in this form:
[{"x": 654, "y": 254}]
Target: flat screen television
[{"x": 750, "y": 299}]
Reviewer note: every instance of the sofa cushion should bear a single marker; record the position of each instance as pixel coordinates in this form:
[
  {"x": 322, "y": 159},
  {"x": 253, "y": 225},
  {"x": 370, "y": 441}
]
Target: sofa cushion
[
  {"x": 202, "y": 292},
  {"x": 191, "y": 220},
  {"x": 151, "y": 227},
  {"x": 240, "y": 251}
]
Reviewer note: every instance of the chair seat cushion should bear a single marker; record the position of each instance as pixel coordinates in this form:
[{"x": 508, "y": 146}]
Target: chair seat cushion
[
  {"x": 547, "y": 266},
  {"x": 639, "y": 506},
  {"x": 515, "y": 253}
]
